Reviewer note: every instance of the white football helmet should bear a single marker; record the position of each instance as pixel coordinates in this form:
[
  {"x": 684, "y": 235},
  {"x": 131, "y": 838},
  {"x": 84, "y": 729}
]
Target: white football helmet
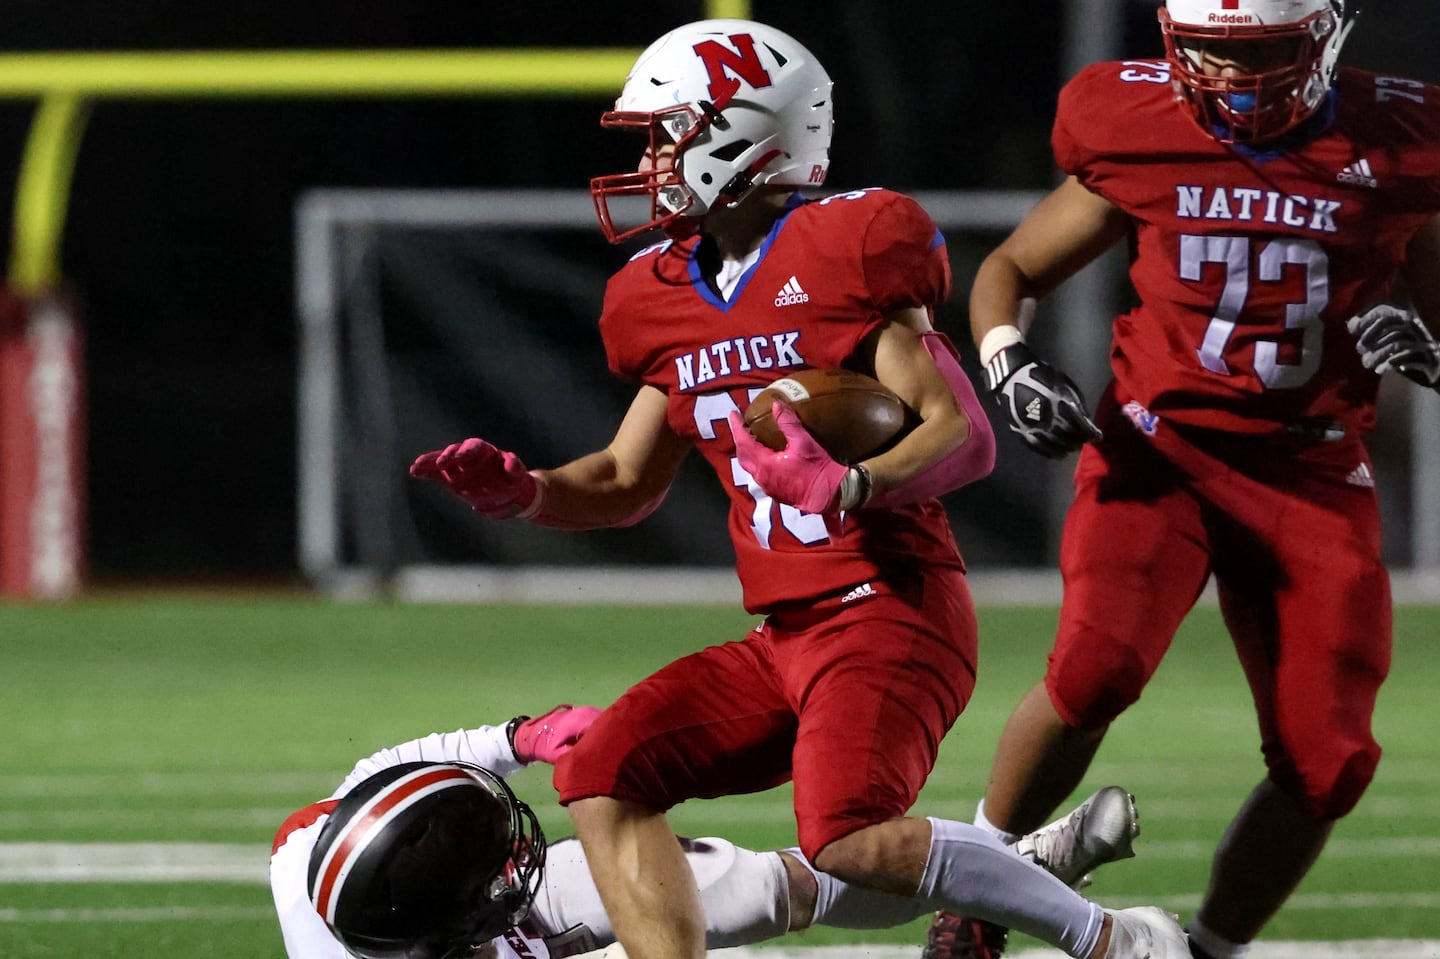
[
  {"x": 1289, "y": 47},
  {"x": 735, "y": 105}
]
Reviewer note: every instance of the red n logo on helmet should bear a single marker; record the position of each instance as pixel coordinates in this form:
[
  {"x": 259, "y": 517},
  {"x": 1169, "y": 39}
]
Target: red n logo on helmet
[{"x": 743, "y": 61}]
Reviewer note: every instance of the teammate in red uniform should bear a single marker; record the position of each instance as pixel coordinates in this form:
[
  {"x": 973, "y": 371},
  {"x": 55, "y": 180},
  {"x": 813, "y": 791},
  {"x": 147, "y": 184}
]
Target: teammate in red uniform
[
  {"x": 867, "y": 652},
  {"x": 1269, "y": 203}
]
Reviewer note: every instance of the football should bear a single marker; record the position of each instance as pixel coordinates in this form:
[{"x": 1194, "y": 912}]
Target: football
[{"x": 851, "y": 415}]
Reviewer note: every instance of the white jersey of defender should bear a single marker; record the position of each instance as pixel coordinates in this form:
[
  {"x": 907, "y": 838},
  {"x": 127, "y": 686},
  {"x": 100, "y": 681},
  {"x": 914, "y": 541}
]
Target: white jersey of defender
[{"x": 745, "y": 893}]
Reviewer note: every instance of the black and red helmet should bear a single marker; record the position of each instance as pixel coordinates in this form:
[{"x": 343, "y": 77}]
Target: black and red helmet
[{"x": 426, "y": 861}]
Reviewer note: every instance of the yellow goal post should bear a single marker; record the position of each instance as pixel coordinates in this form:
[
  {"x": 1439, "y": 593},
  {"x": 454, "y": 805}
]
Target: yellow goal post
[{"x": 66, "y": 83}]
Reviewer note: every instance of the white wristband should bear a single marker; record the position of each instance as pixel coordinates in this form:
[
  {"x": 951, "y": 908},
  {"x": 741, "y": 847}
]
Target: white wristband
[
  {"x": 533, "y": 510},
  {"x": 855, "y": 488},
  {"x": 998, "y": 339}
]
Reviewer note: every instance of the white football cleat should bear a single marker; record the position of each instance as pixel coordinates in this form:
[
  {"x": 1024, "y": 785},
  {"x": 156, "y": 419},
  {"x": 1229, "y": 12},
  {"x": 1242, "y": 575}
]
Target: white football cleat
[
  {"x": 1100, "y": 830},
  {"x": 1146, "y": 932}
]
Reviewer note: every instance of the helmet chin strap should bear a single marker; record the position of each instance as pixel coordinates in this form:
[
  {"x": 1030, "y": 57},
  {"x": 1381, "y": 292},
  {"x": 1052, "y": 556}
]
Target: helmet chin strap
[
  {"x": 743, "y": 183},
  {"x": 713, "y": 114},
  {"x": 1346, "y": 24}
]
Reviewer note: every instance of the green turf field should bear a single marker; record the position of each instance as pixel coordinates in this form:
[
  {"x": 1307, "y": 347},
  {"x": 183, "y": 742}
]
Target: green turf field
[{"x": 207, "y": 721}]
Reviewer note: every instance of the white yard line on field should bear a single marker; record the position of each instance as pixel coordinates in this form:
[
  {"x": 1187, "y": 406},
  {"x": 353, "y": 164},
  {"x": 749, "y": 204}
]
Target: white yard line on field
[
  {"x": 20, "y": 822},
  {"x": 1414, "y": 815},
  {"x": 132, "y": 862},
  {"x": 244, "y": 862},
  {"x": 61, "y": 862},
  {"x": 707, "y": 820},
  {"x": 137, "y": 914},
  {"x": 1417, "y": 771},
  {"x": 178, "y": 861},
  {"x": 168, "y": 783}
]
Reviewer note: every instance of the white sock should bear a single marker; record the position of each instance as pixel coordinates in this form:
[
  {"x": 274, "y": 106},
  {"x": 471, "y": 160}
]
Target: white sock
[
  {"x": 1216, "y": 947},
  {"x": 972, "y": 873},
  {"x": 1008, "y": 838}
]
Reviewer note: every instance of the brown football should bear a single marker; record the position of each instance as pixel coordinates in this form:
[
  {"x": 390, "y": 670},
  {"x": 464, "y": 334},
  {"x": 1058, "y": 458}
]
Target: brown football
[{"x": 852, "y": 415}]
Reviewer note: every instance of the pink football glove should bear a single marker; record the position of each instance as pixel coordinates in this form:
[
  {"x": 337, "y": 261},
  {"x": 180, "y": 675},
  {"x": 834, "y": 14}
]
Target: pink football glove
[
  {"x": 552, "y": 735},
  {"x": 494, "y": 482},
  {"x": 802, "y": 474}
]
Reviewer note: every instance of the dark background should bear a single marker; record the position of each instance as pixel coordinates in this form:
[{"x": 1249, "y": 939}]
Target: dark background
[{"x": 178, "y": 242}]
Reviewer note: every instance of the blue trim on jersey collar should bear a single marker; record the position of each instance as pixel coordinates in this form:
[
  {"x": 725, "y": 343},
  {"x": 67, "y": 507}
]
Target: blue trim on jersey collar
[
  {"x": 697, "y": 279},
  {"x": 1296, "y": 139}
]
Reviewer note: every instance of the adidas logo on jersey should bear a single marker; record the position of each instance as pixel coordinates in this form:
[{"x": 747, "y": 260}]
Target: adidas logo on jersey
[
  {"x": 1361, "y": 476},
  {"x": 1358, "y": 173},
  {"x": 859, "y": 592},
  {"x": 791, "y": 293}
]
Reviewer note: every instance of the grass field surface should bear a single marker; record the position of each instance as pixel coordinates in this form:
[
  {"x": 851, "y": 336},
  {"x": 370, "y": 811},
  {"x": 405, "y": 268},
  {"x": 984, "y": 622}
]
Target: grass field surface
[{"x": 152, "y": 747}]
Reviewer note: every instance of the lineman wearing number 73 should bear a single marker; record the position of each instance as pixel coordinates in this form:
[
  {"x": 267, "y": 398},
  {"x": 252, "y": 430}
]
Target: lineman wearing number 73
[{"x": 1269, "y": 202}]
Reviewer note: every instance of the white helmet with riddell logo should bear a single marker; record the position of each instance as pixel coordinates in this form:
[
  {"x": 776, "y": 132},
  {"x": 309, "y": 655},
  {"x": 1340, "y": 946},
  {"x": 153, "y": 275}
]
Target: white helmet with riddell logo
[
  {"x": 1293, "y": 46},
  {"x": 735, "y": 105}
]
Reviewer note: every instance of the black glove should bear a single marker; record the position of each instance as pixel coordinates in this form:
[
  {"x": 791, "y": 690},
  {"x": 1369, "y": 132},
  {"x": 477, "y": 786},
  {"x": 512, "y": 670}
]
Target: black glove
[
  {"x": 1388, "y": 339},
  {"x": 1042, "y": 405}
]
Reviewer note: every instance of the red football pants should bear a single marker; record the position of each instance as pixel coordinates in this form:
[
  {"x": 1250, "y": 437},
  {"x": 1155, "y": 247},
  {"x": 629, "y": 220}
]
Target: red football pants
[
  {"x": 850, "y": 699},
  {"x": 1294, "y": 545}
]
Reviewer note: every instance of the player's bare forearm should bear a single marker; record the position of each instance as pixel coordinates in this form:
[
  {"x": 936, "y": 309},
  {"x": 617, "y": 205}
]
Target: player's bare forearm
[
  {"x": 901, "y": 361},
  {"x": 1064, "y": 232},
  {"x": 614, "y": 486},
  {"x": 997, "y": 296},
  {"x": 927, "y": 444},
  {"x": 585, "y": 494}
]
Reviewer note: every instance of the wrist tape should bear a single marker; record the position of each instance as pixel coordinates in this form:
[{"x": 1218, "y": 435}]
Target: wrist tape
[
  {"x": 997, "y": 339},
  {"x": 856, "y": 487}
]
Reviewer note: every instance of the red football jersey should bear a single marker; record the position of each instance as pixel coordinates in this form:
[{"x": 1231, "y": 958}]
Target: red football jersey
[
  {"x": 1248, "y": 264},
  {"x": 828, "y": 273}
]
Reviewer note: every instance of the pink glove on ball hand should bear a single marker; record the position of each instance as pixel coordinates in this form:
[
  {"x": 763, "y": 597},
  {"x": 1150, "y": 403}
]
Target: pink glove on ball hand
[
  {"x": 802, "y": 474},
  {"x": 552, "y": 735},
  {"x": 494, "y": 482}
]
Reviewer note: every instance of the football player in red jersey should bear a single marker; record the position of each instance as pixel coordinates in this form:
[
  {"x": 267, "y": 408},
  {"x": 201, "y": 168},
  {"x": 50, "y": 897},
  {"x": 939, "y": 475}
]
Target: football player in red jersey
[
  {"x": 1269, "y": 202},
  {"x": 867, "y": 652}
]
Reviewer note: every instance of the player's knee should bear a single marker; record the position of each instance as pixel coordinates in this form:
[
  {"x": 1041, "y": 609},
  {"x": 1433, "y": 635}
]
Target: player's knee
[
  {"x": 1332, "y": 796},
  {"x": 607, "y": 761},
  {"x": 1090, "y": 694},
  {"x": 1354, "y": 778},
  {"x": 888, "y": 856}
]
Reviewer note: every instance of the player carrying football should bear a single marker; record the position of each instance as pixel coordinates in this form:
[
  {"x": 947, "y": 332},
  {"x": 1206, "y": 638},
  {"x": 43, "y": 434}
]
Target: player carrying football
[
  {"x": 1269, "y": 202},
  {"x": 867, "y": 652}
]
